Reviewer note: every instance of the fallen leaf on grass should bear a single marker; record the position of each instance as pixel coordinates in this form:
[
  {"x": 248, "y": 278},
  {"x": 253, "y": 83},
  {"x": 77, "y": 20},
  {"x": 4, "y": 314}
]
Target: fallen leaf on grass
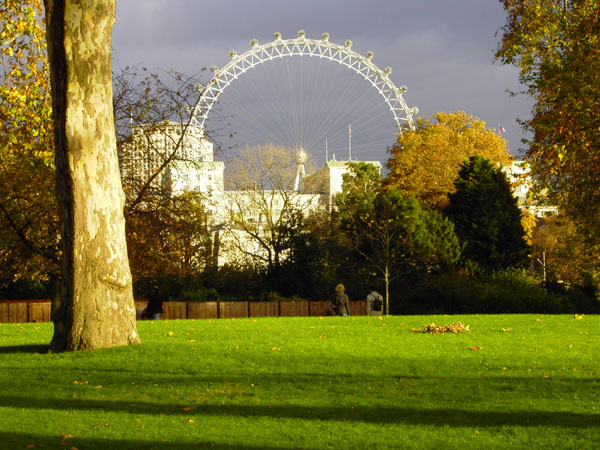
[
  {"x": 102, "y": 425},
  {"x": 98, "y": 387},
  {"x": 275, "y": 348},
  {"x": 190, "y": 340},
  {"x": 538, "y": 320},
  {"x": 79, "y": 382},
  {"x": 578, "y": 316},
  {"x": 66, "y": 436},
  {"x": 475, "y": 348},
  {"x": 187, "y": 409},
  {"x": 323, "y": 336},
  {"x": 456, "y": 327},
  {"x": 506, "y": 329},
  {"x": 416, "y": 330},
  {"x": 170, "y": 333}
]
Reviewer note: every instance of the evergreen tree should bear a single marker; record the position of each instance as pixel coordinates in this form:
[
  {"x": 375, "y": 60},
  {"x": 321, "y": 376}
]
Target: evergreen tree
[
  {"x": 392, "y": 235},
  {"x": 486, "y": 216}
]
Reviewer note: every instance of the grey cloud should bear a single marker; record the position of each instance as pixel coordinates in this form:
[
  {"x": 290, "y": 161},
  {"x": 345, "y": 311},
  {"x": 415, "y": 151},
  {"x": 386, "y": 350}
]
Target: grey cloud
[{"x": 443, "y": 50}]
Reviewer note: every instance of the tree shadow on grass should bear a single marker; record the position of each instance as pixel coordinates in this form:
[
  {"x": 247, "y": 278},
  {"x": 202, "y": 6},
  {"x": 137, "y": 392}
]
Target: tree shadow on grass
[
  {"x": 28, "y": 348},
  {"x": 30, "y": 440},
  {"x": 370, "y": 414}
]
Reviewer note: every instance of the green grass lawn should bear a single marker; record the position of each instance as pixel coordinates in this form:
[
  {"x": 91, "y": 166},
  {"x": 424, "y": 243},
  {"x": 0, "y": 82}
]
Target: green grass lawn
[{"x": 514, "y": 381}]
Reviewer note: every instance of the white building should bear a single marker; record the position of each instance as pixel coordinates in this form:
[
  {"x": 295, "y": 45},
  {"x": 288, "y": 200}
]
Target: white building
[
  {"x": 179, "y": 157},
  {"x": 182, "y": 160},
  {"x": 205, "y": 177},
  {"x": 519, "y": 175},
  {"x": 333, "y": 175}
]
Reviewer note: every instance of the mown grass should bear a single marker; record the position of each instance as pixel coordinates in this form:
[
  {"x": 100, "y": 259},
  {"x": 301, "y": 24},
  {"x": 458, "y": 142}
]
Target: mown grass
[{"x": 515, "y": 381}]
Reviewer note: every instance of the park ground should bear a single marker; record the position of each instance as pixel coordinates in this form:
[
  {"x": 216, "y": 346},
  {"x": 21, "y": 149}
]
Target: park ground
[{"x": 510, "y": 381}]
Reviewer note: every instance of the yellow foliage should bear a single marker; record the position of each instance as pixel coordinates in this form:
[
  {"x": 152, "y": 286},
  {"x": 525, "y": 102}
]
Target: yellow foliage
[
  {"x": 529, "y": 222},
  {"x": 28, "y": 211},
  {"x": 426, "y": 162}
]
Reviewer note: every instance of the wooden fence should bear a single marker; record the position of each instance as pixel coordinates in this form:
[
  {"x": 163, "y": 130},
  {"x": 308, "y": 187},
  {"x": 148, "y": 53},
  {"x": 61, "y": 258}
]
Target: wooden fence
[{"x": 19, "y": 311}]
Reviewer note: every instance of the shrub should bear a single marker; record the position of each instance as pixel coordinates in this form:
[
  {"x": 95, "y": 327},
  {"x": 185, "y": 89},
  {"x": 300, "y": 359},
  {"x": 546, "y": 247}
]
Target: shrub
[
  {"x": 201, "y": 295},
  {"x": 509, "y": 291},
  {"x": 24, "y": 289}
]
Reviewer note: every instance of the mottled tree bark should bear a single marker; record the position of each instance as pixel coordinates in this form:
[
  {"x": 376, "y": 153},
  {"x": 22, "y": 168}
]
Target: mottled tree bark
[{"x": 96, "y": 308}]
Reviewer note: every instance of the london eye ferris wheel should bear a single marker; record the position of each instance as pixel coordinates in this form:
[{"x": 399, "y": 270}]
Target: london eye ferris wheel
[{"x": 291, "y": 92}]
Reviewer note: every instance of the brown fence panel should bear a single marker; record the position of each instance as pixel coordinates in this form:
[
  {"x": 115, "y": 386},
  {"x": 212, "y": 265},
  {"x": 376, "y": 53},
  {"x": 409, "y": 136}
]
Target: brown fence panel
[
  {"x": 319, "y": 308},
  {"x": 174, "y": 310},
  {"x": 17, "y": 312},
  {"x": 3, "y": 312},
  {"x": 263, "y": 309},
  {"x": 38, "y": 312},
  {"x": 290, "y": 309},
  {"x": 202, "y": 310},
  {"x": 232, "y": 310},
  {"x": 358, "y": 308}
]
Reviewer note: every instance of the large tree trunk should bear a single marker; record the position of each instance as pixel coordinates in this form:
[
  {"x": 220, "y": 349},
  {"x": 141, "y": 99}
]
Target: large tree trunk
[{"x": 96, "y": 308}]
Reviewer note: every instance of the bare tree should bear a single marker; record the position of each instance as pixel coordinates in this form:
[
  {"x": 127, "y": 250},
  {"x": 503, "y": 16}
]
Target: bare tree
[
  {"x": 263, "y": 210},
  {"x": 168, "y": 172},
  {"x": 154, "y": 127}
]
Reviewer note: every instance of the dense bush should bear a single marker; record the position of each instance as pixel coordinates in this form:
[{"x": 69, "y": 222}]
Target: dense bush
[
  {"x": 224, "y": 283},
  {"x": 511, "y": 291},
  {"x": 28, "y": 290},
  {"x": 201, "y": 295}
]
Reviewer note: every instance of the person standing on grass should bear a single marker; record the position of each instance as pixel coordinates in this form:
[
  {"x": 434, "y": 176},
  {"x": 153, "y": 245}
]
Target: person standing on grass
[
  {"x": 374, "y": 303},
  {"x": 341, "y": 302},
  {"x": 154, "y": 308}
]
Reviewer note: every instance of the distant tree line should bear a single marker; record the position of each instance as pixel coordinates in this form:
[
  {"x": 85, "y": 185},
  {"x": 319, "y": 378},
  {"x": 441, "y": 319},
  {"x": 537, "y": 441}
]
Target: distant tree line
[{"x": 441, "y": 231}]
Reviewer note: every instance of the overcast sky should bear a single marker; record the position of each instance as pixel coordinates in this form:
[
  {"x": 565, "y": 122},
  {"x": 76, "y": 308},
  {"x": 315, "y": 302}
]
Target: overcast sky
[{"x": 441, "y": 49}]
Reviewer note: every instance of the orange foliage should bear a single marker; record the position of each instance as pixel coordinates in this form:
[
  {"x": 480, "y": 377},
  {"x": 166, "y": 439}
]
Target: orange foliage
[{"x": 426, "y": 162}]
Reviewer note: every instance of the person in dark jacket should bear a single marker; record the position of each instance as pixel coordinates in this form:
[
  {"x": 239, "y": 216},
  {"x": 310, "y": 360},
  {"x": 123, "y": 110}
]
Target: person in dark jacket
[
  {"x": 341, "y": 302},
  {"x": 374, "y": 303},
  {"x": 154, "y": 308}
]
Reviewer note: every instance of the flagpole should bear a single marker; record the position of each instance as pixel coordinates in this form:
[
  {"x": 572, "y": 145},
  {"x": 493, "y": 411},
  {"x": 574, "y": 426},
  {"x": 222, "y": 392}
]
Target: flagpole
[{"x": 349, "y": 142}]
